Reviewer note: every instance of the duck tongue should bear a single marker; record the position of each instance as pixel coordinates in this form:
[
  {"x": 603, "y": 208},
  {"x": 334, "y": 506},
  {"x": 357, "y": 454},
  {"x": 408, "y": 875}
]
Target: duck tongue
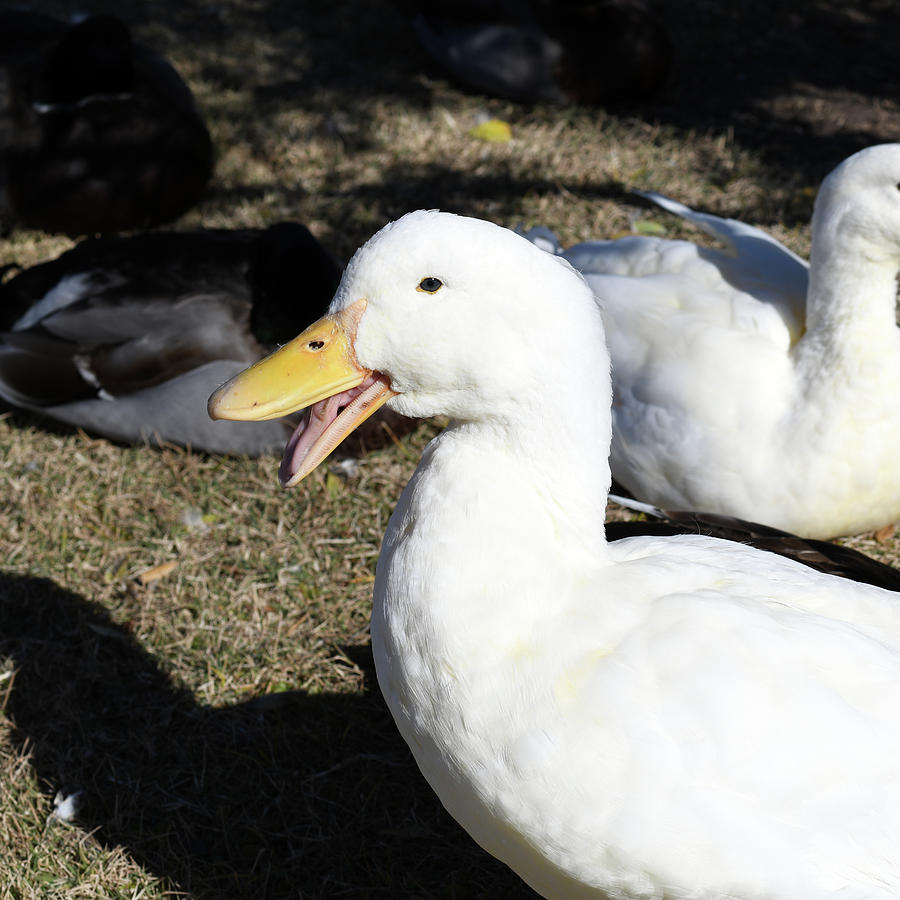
[{"x": 325, "y": 424}]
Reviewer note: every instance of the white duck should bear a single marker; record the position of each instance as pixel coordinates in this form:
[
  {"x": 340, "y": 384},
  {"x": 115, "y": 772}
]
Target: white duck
[
  {"x": 657, "y": 717},
  {"x": 750, "y": 384}
]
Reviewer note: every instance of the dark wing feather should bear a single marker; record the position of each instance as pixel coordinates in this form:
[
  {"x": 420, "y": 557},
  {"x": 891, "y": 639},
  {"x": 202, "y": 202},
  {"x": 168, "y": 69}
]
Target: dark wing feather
[
  {"x": 36, "y": 371},
  {"x": 821, "y": 555}
]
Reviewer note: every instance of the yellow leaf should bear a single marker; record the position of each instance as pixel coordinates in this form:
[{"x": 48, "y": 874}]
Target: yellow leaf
[
  {"x": 649, "y": 228},
  {"x": 495, "y": 130},
  {"x": 154, "y": 573},
  {"x": 332, "y": 484}
]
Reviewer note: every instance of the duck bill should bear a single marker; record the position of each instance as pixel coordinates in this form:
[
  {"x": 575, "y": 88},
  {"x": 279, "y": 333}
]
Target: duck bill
[{"x": 318, "y": 371}]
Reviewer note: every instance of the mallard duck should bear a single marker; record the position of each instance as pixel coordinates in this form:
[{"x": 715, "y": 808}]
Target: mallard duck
[
  {"x": 580, "y": 51},
  {"x": 108, "y": 136},
  {"x": 126, "y": 337},
  {"x": 654, "y": 717},
  {"x": 750, "y": 383}
]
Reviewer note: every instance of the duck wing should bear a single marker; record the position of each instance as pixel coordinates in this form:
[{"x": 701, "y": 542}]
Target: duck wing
[
  {"x": 126, "y": 337},
  {"x": 129, "y": 269},
  {"x": 109, "y": 350},
  {"x": 116, "y": 315},
  {"x": 756, "y": 263},
  {"x": 820, "y": 555}
]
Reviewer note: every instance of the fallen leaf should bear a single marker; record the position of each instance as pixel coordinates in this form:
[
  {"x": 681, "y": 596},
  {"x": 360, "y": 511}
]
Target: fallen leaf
[
  {"x": 885, "y": 533},
  {"x": 154, "y": 573},
  {"x": 332, "y": 485},
  {"x": 494, "y": 130},
  {"x": 649, "y": 228}
]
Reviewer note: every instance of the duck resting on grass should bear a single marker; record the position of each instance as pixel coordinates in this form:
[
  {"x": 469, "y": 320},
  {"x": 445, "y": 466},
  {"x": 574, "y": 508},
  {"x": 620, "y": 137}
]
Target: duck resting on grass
[
  {"x": 555, "y": 51},
  {"x": 750, "y": 383},
  {"x": 107, "y": 135},
  {"x": 654, "y": 717},
  {"x": 126, "y": 337}
]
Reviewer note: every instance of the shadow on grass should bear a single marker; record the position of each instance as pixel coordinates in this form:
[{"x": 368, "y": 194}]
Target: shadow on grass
[
  {"x": 733, "y": 61},
  {"x": 288, "y": 795},
  {"x": 497, "y": 194},
  {"x": 804, "y": 83}
]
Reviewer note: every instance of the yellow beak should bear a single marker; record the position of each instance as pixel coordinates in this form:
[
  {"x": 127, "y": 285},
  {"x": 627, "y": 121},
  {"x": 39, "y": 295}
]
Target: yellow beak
[{"x": 318, "y": 370}]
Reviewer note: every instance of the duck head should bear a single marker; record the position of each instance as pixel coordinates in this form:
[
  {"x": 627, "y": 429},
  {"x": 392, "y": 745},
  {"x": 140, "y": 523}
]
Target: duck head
[{"x": 436, "y": 314}]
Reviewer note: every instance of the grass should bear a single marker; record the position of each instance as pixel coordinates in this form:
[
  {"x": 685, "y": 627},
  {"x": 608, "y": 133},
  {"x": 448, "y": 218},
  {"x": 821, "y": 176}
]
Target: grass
[{"x": 187, "y": 645}]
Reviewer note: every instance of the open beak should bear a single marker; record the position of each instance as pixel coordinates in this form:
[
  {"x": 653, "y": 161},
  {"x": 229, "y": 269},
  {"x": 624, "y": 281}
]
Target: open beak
[{"x": 318, "y": 370}]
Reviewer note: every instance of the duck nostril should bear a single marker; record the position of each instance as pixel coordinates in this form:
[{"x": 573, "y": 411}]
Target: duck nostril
[{"x": 316, "y": 345}]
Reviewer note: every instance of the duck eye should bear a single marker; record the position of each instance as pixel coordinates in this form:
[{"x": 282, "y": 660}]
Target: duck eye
[{"x": 430, "y": 285}]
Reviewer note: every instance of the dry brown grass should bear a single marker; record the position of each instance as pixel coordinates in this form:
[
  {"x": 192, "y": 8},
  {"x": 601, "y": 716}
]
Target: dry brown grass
[{"x": 222, "y": 719}]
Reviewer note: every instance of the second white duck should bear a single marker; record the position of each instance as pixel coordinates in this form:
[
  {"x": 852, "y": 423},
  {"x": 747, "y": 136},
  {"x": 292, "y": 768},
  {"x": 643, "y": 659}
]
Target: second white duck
[{"x": 750, "y": 383}]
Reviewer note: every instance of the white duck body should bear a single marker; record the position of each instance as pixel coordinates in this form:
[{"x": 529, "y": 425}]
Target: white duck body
[
  {"x": 655, "y": 718},
  {"x": 735, "y": 396}
]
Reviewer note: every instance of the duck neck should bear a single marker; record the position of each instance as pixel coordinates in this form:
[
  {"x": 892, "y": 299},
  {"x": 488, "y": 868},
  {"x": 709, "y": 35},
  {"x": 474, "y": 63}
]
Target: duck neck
[
  {"x": 495, "y": 527},
  {"x": 564, "y": 454},
  {"x": 502, "y": 522},
  {"x": 852, "y": 294},
  {"x": 536, "y": 476}
]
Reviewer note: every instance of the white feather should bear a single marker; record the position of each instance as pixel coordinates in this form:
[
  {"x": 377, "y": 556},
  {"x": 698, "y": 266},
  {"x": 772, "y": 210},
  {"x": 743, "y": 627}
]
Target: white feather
[{"x": 68, "y": 291}]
